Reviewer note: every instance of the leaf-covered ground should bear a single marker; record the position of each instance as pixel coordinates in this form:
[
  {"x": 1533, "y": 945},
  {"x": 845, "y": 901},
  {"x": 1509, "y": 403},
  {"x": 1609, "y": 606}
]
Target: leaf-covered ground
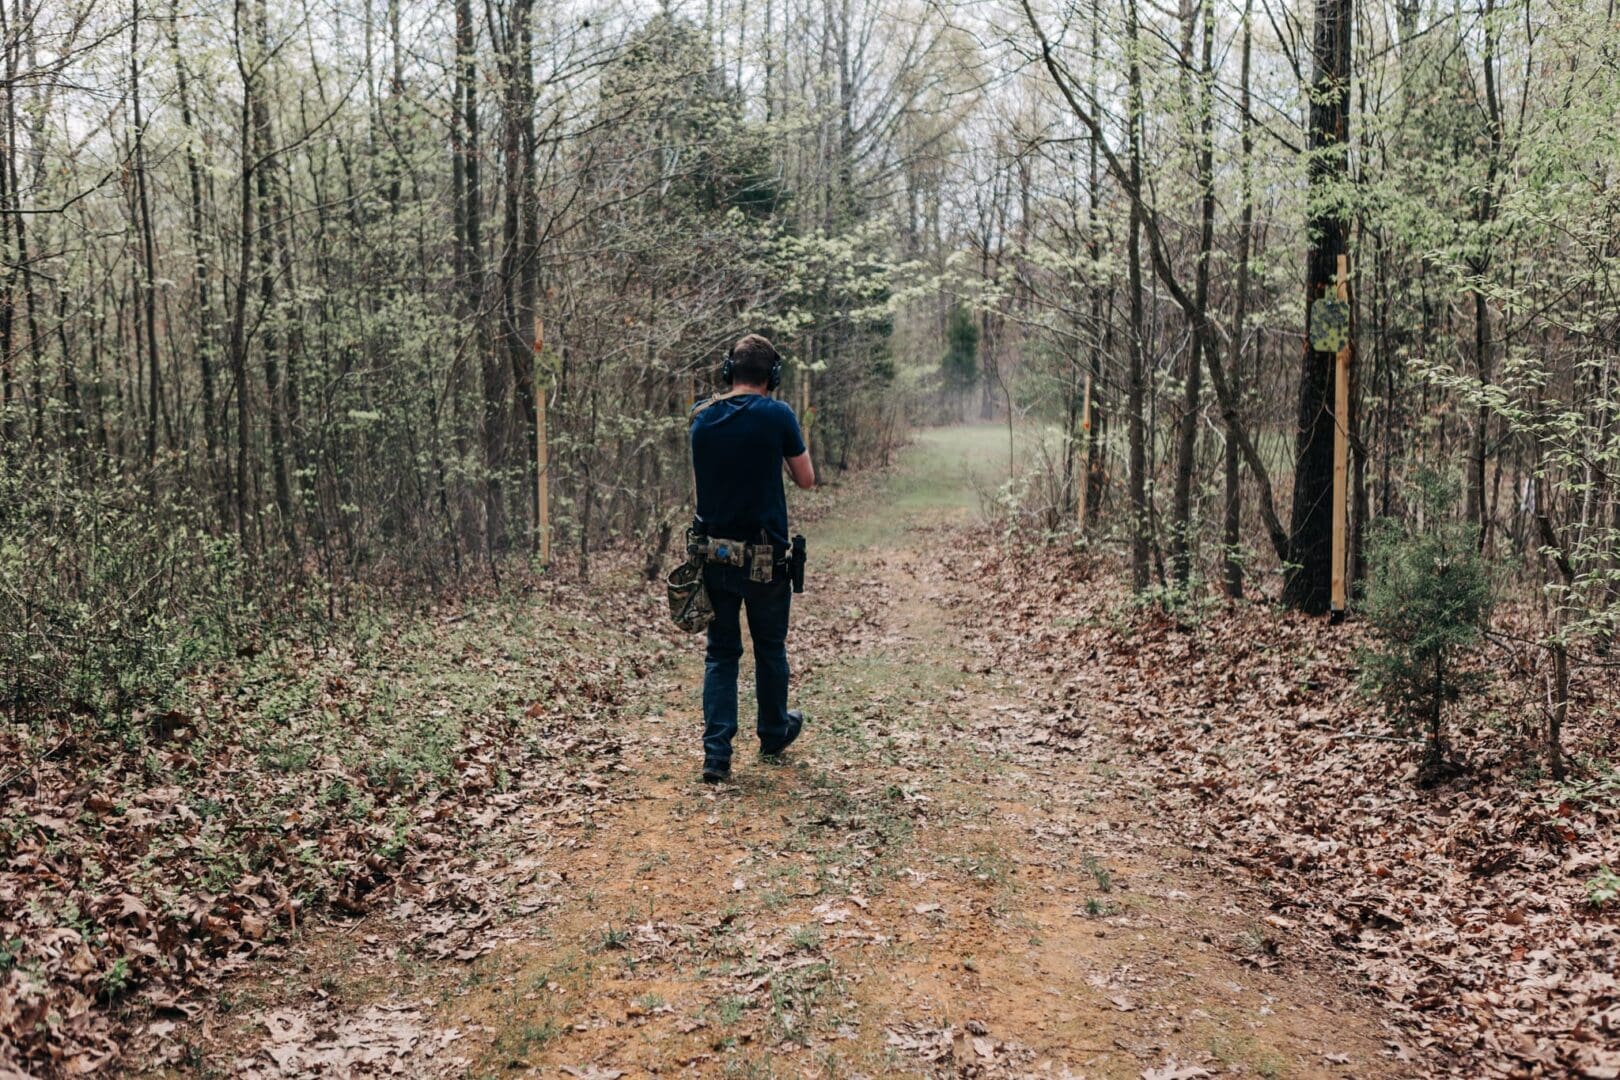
[
  {"x": 1468, "y": 907},
  {"x": 1029, "y": 831},
  {"x": 145, "y": 866}
]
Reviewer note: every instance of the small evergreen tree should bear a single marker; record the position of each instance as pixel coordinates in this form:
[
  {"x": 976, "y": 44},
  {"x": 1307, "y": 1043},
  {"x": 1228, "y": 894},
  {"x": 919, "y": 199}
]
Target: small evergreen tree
[
  {"x": 960, "y": 365},
  {"x": 1428, "y": 602}
]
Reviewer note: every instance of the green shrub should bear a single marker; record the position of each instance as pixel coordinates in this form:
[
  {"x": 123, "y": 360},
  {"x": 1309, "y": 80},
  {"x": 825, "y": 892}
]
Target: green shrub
[
  {"x": 1428, "y": 602},
  {"x": 106, "y": 596},
  {"x": 1604, "y": 888}
]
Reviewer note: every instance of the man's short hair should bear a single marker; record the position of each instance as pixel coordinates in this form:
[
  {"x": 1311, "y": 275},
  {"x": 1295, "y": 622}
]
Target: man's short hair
[{"x": 752, "y": 359}]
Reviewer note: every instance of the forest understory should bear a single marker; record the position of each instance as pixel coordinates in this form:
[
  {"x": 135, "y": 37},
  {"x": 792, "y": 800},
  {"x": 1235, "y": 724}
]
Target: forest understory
[
  {"x": 1034, "y": 829},
  {"x": 1238, "y": 695}
]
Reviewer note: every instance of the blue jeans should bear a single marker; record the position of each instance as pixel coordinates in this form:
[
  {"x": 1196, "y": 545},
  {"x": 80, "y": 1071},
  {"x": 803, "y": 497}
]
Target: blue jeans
[{"x": 730, "y": 591}]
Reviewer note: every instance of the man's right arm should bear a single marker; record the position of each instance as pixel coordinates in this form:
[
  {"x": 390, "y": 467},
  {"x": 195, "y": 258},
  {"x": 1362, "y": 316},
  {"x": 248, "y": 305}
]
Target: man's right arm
[{"x": 795, "y": 452}]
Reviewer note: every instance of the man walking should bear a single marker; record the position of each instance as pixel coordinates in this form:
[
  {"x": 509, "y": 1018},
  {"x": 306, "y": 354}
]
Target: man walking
[{"x": 740, "y": 441}]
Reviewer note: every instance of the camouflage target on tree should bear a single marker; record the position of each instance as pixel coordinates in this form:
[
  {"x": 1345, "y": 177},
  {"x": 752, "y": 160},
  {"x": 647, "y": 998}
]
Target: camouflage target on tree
[{"x": 1330, "y": 325}]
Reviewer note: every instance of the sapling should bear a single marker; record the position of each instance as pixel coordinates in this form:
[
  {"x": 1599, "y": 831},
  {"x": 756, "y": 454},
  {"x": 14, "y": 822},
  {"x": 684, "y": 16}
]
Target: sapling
[{"x": 1428, "y": 602}]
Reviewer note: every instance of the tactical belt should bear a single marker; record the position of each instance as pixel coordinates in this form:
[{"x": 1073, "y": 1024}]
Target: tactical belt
[{"x": 760, "y": 559}]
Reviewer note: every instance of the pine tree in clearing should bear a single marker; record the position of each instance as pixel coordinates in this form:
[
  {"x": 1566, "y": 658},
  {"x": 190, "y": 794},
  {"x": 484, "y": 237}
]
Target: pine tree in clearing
[{"x": 960, "y": 365}]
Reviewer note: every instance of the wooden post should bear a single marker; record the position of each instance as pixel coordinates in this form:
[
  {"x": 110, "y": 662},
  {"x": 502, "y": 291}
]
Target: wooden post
[
  {"x": 1085, "y": 456},
  {"x": 1341, "y": 452},
  {"x": 542, "y": 508}
]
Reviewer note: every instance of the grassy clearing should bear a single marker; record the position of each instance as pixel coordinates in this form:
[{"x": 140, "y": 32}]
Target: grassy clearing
[{"x": 940, "y": 477}]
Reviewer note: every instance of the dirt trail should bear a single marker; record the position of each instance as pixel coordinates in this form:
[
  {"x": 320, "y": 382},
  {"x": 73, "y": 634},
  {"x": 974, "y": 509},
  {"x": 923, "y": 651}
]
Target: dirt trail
[
  {"x": 903, "y": 894},
  {"x": 907, "y": 893}
]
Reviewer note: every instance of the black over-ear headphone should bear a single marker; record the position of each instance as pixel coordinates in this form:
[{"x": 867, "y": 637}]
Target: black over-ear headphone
[{"x": 728, "y": 370}]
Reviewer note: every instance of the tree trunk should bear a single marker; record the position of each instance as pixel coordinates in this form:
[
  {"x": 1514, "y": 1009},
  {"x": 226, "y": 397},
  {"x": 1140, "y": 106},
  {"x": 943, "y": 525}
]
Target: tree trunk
[
  {"x": 492, "y": 370},
  {"x": 147, "y": 305},
  {"x": 1137, "y": 435},
  {"x": 1094, "y": 422},
  {"x": 1478, "y": 264},
  {"x": 246, "y": 67},
  {"x": 1232, "y": 523},
  {"x": 520, "y": 231},
  {"x": 1560, "y": 710},
  {"x": 1181, "y": 540},
  {"x": 264, "y": 181},
  {"x": 207, "y": 318},
  {"x": 24, "y": 263},
  {"x": 1308, "y": 584},
  {"x": 8, "y": 294}
]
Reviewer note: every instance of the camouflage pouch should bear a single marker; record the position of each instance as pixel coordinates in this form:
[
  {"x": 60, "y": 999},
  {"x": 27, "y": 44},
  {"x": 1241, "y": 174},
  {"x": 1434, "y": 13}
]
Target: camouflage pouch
[
  {"x": 761, "y": 564},
  {"x": 689, "y": 603}
]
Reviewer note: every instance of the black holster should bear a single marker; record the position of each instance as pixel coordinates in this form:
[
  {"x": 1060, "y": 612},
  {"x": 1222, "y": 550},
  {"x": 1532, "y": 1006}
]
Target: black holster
[{"x": 796, "y": 564}]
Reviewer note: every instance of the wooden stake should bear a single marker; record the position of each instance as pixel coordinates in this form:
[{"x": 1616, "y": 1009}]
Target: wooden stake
[
  {"x": 542, "y": 509},
  {"x": 1085, "y": 456},
  {"x": 1341, "y": 451}
]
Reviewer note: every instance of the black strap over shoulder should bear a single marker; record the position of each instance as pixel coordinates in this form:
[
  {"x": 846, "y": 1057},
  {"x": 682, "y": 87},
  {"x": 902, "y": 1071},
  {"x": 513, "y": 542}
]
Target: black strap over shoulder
[{"x": 715, "y": 399}]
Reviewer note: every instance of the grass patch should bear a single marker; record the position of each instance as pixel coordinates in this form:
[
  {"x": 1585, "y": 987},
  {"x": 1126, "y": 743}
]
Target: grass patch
[
  {"x": 941, "y": 467},
  {"x": 1099, "y": 873},
  {"x": 795, "y": 995},
  {"x": 514, "y": 1045}
]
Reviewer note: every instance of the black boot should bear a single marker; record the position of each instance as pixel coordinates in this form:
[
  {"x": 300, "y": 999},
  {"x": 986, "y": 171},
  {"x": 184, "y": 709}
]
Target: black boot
[
  {"x": 795, "y": 725},
  {"x": 716, "y": 772}
]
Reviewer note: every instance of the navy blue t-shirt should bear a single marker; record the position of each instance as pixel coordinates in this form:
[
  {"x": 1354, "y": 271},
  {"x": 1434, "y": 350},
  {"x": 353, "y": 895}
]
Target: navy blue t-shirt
[{"x": 738, "y": 446}]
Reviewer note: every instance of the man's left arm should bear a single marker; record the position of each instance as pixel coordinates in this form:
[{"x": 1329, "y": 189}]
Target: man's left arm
[{"x": 802, "y": 471}]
